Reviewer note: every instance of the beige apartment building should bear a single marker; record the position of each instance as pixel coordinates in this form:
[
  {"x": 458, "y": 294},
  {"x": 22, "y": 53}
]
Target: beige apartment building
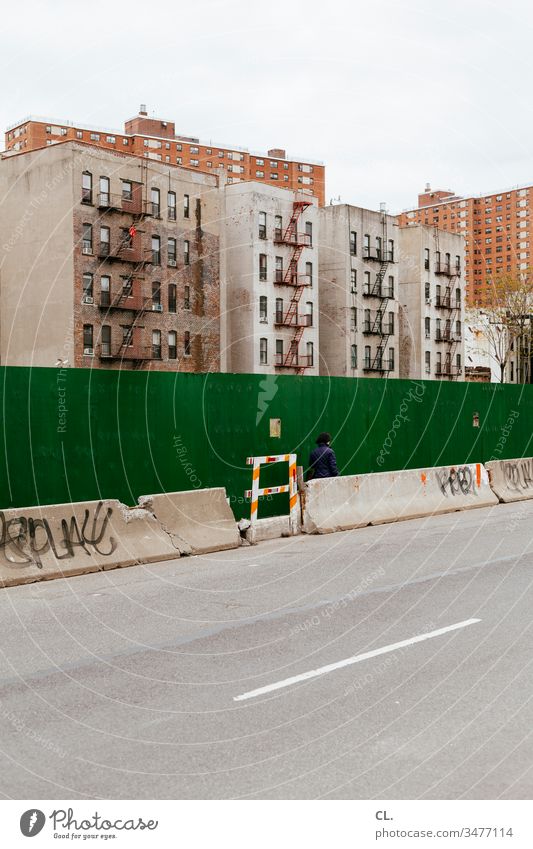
[
  {"x": 358, "y": 283},
  {"x": 432, "y": 302},
  {"x": 270, "y": 259},
  {"x": 108, "y": 261}
]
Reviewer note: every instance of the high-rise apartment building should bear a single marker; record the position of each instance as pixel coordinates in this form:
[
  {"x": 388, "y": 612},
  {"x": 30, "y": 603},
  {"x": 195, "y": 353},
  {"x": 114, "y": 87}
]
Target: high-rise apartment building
[
  {"x": 358, "y": 284},
  {"x": 156, "y": 140},
  {"x": 496, "y": 228}
]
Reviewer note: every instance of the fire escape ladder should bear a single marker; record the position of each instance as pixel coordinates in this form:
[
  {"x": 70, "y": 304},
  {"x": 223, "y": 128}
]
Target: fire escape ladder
[{"x": 291, "y": 278}]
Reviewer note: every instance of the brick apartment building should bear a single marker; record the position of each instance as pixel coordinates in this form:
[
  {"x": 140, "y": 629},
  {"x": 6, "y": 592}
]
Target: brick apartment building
[
  {"x": 496, "y": 228},
  {"x": 108, "y": 260},
  {"x": 156, "y": 140}
]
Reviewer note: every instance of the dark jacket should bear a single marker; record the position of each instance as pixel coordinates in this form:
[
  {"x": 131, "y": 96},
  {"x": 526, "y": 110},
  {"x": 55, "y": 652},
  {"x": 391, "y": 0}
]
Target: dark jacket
[{"x": 323, "y": 462}]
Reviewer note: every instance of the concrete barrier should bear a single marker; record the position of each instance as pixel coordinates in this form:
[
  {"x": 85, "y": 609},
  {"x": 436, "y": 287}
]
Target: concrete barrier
[
  {"x": 198, "y": 521},
  {"x": 511, "y": 480},
  {"x": 54, "y": 541},
  {"x": 336, "y": 504}
]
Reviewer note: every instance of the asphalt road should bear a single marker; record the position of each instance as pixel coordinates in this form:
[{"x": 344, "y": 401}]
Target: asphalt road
[{"x": 125, "y": 684}]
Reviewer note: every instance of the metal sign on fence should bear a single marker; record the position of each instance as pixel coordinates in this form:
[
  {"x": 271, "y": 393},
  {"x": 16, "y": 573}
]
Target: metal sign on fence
[{"x": 291, "y": 487}]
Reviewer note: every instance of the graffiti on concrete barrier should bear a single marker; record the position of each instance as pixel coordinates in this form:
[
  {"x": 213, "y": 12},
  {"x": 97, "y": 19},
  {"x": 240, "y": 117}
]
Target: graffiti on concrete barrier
[
  {"x": 518, "y": 474},
  {"x": 456, "y": 481},
  {"x": 25, "y": 539}
]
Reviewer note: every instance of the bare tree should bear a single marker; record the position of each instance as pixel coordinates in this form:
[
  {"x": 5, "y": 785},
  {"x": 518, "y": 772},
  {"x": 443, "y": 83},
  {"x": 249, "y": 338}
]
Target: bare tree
[{"x": 508, "y": 309}]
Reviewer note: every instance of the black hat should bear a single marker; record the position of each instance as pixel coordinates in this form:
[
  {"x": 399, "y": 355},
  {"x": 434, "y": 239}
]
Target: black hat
[{"x": 323, "y": 439}]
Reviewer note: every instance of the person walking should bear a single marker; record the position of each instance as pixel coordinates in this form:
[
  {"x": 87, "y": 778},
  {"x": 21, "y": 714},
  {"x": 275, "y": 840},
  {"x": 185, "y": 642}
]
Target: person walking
[{"x": 322, "y": 462}]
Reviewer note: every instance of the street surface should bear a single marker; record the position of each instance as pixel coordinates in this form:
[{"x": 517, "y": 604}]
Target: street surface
[{"x": 141, "y": 682}]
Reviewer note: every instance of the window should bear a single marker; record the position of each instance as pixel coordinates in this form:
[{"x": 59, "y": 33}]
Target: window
[
  {"x": 156, "y": 296},
  {"x": 105, "y": 291},
  {"x": 279, "y": 269},
  {"x": 458, "y": 362},
  {"x": 279, "y": 352},
  {"x": 172, "y": 297},
  {"x": 353, "y": 318},
  {"x": 263, "y": 308},
  {"x": 391, "y": 250},
  {"x": 427, "y": 292},
  {"x": 155, "y": 198},
  {"x": 309, "y": 313},
  {"x": 88, "y": 339},
  {"x": 186, "y": 206},
  {"x": 426, "y": 257},
  {"x": 195, "y": 163},
  {"x": 262, "y": 266},
  {"x": 391, "y": 359},
  {"x": 391, "y": 287},
  {"x": 127, "y": 336},
  {"x": 110, "y": 139},
  {"x": 354, "y": 356},
  {"x": 87, "y": 288},
  {"x": 171, "y": 251},
  {"x": 260, "y": 174},
  {"x": 458, "y": 297},
  {"x": 366, "y": 245},
  {"x": 427, "y": 362},
  {"x": 262, "y": 225},
  {"x": 353, "y": 280},
  {"x": 171, "y": 206},
  {"x": 457, "y": 263},
  {"x": 367, "y": 321},
  {"x": 156, "y": 344},
  {"x": 127, "y": 190},
  {"x": 156, "y": 250},
  {"x": 310, "y": 354},
  {"x": 86, "y": 187},
  {"x": 79, "y": 134},
  {"x": 278, "y": 227},
  {"x": 186, "y": 253},
  {"x": 367, "y": 356},
  {"x": 259, "y": 161},
  {"x": 309, "y": 273},
  {"x": 391, "y": 324},
  {"x": 105, "y": 240},
  {"x": 457, "y": 330},
  {"x": 438, "y": 367},
  {"x": 106, "y": 341},
  {"x": 95, "y": 137},
  {"x": 427, "y": 328},
  {"x": 187, "y": 298},
  {"x": 309, "y": 232},
  {"x": 104, "y": 190},
  {"x": 187, "y": 343},
  {"x": 263, "y": 352},
  {"x": 172, "y": 344},
  {"x": 367, "y": 283}
]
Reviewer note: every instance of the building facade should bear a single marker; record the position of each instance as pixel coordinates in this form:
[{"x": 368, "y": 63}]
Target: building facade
[
  {"x": 431, "y": 304},
  {"x": 496, "y": 228},
  {"x": 270, "y": 257},
  {"x": 108, "y": 261},
  {"x": 358, "y": 283},
  {"x": 154, "y": 139}
]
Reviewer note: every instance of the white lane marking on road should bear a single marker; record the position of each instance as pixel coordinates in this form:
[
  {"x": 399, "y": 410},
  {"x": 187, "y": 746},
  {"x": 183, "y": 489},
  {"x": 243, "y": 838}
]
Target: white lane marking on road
[{"x": 348, "y": 661}]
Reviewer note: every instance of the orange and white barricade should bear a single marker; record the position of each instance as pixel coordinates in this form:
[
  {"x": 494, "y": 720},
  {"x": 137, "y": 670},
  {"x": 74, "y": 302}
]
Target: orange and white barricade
[{"x": 291, "y": 487}]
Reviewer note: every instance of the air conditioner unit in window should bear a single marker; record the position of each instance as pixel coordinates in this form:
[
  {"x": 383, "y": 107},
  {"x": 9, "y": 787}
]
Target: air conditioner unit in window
[
  {"x": 172, "y": 263},
  {"x": 86, "y": 249},
  {"x": 88, "y": 300},
  {"x": 88, "y": 351},
  {"x": 157, "y": 307}
]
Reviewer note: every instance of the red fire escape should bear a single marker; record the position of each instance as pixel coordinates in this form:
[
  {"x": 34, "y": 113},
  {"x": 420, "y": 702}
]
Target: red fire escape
[{"x": 298, "y": 282}]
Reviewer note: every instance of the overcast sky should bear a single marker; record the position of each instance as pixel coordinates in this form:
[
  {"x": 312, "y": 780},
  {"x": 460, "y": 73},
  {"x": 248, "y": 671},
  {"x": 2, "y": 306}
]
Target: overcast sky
[{"x": 389, "y": 94}]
